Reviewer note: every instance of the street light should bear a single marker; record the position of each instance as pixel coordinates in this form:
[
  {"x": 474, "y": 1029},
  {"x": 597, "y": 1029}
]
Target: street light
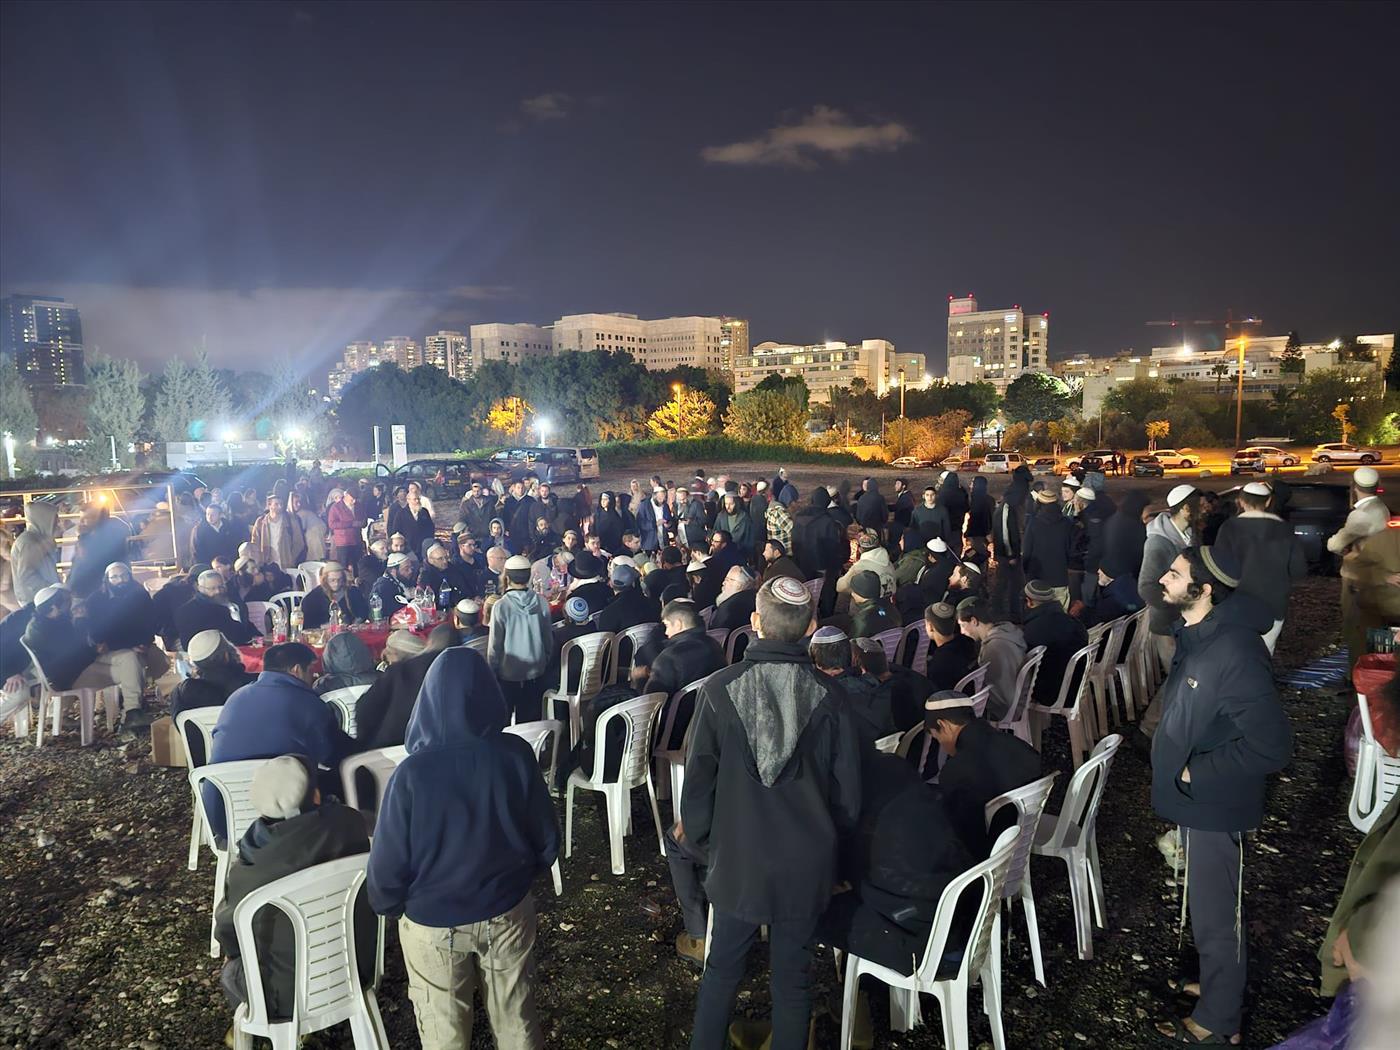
[
  {"x": 542, "y": 427},
  {"x": 901, "y": 393},
  {"x": 229, "y": 437}
]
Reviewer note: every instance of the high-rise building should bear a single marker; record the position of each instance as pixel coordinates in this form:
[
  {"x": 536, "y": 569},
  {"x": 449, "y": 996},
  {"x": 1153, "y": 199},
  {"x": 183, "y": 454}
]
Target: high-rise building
[
  {"x": 402, "y": 351},
  {"x": 449, "y": 351},
  {"x": 511, "y": 343},
  {"x": 44, "y": 336},
  {"x": 995, "y": 346},
  {"x": 733, "y": 340},
  {"x": 824, "y": 366},
  {"x": 657, "y": 344}
]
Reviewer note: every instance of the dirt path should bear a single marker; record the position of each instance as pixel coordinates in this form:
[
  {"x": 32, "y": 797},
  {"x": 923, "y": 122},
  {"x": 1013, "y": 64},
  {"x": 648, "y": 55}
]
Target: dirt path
[{"x": 104, "y": 934}]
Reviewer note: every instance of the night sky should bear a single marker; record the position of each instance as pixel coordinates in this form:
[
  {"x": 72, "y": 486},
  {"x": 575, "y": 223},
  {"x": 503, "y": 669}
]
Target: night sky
[{"x": 282, "y": 178}]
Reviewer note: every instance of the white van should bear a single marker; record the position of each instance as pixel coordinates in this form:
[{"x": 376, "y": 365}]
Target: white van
[{"x": 1001, "y": 462}]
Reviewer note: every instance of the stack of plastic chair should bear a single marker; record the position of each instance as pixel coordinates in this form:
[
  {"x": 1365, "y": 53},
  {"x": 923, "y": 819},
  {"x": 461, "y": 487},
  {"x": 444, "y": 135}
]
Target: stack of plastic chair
[{"x": 1070, "y": 835}]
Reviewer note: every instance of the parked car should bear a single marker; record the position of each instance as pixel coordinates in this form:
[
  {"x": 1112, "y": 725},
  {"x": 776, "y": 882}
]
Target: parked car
[
  {"x": 1045, "y": 465},
  {"x": 1258, "y": 458},
  {"x": 954, "y": 462},
  {"x": 1098, "y": 459},
  {"x": 962, "y": 466},
  {"x": 1316, "y": 510},
  {"x": 1338, "y": 452},
  {"x": 549, "y": 464},
  {"x": 441, "y": 478},
  {"x": 1172, "y": 459},
  {"x": 911, "y": 463},
  {"x": 1147, "y": 467},
  {"x": 1001, "y": 462}
]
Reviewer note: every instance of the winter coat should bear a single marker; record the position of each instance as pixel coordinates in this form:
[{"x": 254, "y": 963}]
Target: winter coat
[
  {"x": 278, "y": 714},
  {"x": 1123, "y": 537},
  {"x": 903, "y": 511},
  {"x": 314, "y": 529},
  {"x": 466, "y": 824},
  {"x": 607, "y": 524},
  {"x": 1375, "y": 866},
  {"x": 653, "y": 523},
  {"x": 876, "y": 561},
  {"x": 1164, "y": 542},
  {"x": 783, "y": 566},
  {"x": 1063, "y": 636},
  {"x": 209, "y": 687},
  {"x": 209, "y": 543},
  {"x": 951, "y": 662},
  {"x": 1007, "y": 521},
  {"x": 521, "y": 636},
  {"x": 630, "y": 608},
  {"x": 818, "y": 545},
  {"x": 985, "y": 763},
  {"x": 273, "y": 849},
  {"x": 734, "y": 612},
  {"x": 686, "y": 657},
  {"x": 1222, "y": 720},
  {"x": 34, "y": 556},
  {"x": 120, "y": 619},
  {"x": 287, "y": 554},
  {"x": 97, "y": 548},
  {"x": 1004, "y": 653},
  {"x": 1046, "y": 547},
  {"x": 61, "y": 650},
  {"x": 1270, "y": 556},
  {"x": 316, "y": 607},
  {"x": 871, "y": 510},
  {"x": 874, "y": 617},
  {"x": 932, "y": 522},
  {"x": 694, "y": 525},
  {"x": 344, "y": 525},
  {"x": 869, "y": 705},
  {"x": 979, "y": 509},
  {"x": 739, "y": 525},
  {"x": 346, "y": 662},
  {"x": 772, "y": 784},
  {"x": 383, "y": 710},
  {"x": 758, "y": 519},
  {"x": 203, "y": 614},
  {"x": 953, "y": 499},
  {"x": 415, "y": 527}
]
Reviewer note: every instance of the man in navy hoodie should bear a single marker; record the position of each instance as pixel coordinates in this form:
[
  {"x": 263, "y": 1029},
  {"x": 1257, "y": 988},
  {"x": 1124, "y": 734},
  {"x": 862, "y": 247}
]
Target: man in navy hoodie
[
  {"x": 465, "y": 828},
  {"x": 1222, "y": 733}
]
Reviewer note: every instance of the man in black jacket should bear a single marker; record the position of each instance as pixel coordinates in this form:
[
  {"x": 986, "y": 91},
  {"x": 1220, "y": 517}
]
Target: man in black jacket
[
  {"x": 735, "y": 604},
  {"x": 772, "y": 784},
  {"x": 1271, "y": 558},
  {"x": 818, "y": 545},
  {"x": 871, "y": 510},
  {"x": 294, "y": 831},
  {"x": 470, "y": 566},
  {"x": 952, "y": 655},
  {"x": 210, "y": 610},
  {"x": 983, "y": 762},
  {"x": 1048, "y": 624},
  {"x": 590, "y": 581},
  {"x": 630, "y": 606},
  {"x": 1046, "y": 546},
  {"x": 121, "y": 615},
  {"x": 671, "y": 569},
  {"x": 214, "y": 537},
  {"x": 70, "y": 660},
  {"x": 218, "y": 672},
  {"x": 1222, "y": 733},
  {"x": 383, "y": 712}
]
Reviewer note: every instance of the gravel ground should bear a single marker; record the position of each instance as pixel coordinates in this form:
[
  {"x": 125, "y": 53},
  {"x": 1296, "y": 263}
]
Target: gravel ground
[{"x": 104, "y": 933}]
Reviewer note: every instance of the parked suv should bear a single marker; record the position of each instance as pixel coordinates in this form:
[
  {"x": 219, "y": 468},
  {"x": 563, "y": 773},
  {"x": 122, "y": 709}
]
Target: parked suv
[
  {"x": 1001, "y": 462},
  {"x": 1337, "y": 452}
]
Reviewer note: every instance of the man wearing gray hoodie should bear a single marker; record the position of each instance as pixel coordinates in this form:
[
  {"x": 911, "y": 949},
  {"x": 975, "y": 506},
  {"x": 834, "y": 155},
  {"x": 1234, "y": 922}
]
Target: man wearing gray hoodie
[
  {"x": 1001, "y": 646},
  {"x": 34, "y": 556},
  {"x": 520, "y": 642},
  {"x": 1168, "y": 534}
]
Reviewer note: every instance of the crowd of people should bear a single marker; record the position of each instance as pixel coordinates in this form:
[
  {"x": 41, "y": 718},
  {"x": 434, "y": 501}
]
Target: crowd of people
[{"x": 791, "y": 817}]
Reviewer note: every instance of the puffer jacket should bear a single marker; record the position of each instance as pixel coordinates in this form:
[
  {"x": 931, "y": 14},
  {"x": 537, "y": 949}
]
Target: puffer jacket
[
  {"x": 1222, "y": 720},
  {"x": 34, "y": 556},
  {"x": 521, "y": 640}
]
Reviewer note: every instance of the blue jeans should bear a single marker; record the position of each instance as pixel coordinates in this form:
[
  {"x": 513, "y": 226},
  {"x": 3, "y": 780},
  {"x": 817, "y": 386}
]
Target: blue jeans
[{"x": 789, "y": 982}]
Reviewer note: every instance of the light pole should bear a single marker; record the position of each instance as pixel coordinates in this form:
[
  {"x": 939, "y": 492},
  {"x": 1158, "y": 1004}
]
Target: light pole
[
  {"x": 230, "y": 436},
  {"x": 1239, "y": 393},
  {"x": 10, "y": 453},
  {"x": 542, "y": 428},
  {"x": 901, "y": 393}
]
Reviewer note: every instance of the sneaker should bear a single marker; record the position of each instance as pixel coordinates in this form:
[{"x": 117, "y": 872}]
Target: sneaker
[{"x": 691, "y": 949}]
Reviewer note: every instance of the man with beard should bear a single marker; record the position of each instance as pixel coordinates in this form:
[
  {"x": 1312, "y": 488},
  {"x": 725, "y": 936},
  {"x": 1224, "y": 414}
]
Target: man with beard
[
  {"x": 211, "y": 610},
  {"x": 70, "y": 660},
  {"x": 121, "y": 615},
  {"x": 101, "y": 541},
  {"x": 333, "y": 590}
]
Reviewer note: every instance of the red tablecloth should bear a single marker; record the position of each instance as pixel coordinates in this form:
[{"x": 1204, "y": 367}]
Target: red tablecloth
[{"x": 374, "y": 637}]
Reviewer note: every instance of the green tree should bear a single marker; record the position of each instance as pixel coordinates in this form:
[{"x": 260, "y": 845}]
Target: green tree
[
  {"x": 210, "y": 402},
  {"x": 174, "y": 403},
  {"x": 766, "y": 416},
  {"x": 435, "y": 409},
  {"x": 17, "y": 415},
  {"x": 1292, "y": 359},
  {"x": 1310, "y": 414},
  {"x": 1220, "y": 370},
  {"x": 689, "y": 414},
  {"x": 1036, "y": 396},
  {"x": 794, "y": 387},
  {"x": 115, "y": 406},
  {"x": 1137, "y": 399}
]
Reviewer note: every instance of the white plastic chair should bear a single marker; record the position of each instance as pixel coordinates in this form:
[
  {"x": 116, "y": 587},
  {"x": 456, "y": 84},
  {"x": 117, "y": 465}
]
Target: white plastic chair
[
  {"x": 889, "y": 745},
  {"x": 197, "y": 724},
  {"x": 639, "y": 715},
  {"x": 232, "y": 780},
  {"x": 344, "y": 702},
  {"x": 913, "y": 647},
  {"x": 1071, "y": 836},
  {"x": 673, "y": 759},
  {"x": 537, "y": 735},
  {"x": 979, "y": 708},
  {"x": 625, "y": 646},
  {"x": 1377, "y": 775},
  {"x": 257, "y": 615},
  {"x": 732, "y": 651},
  {"x": 379, "y": 763},
  {"x": 51, "y": 701},
  {"x": 595, "y": 648},
  {"x": 1017, "y": 718},
  {"x": 1072, "y": 704},
  {"x": 972, "y": 681},
  {"x": 309, "y": 574},
  {"x": 320, "y": 903},
  {"x": 889, "y": 641},
  {"x": 289, "y": 600},
  {"x": 976, "y": 965},
  {"x": 1030, "y": 805}
]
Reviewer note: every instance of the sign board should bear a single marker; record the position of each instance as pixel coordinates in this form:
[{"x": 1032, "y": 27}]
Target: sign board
[{"x": 398, "y": 436}]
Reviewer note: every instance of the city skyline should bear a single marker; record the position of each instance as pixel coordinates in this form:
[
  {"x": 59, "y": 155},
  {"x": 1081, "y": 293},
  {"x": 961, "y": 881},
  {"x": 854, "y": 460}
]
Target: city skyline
[{"x": 252, "y": 190}]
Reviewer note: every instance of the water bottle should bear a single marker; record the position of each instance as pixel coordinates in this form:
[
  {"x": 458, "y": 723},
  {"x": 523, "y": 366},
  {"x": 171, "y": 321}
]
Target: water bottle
[
  {"x": 295, "y": 633},
  {"x": 279, "y": 625},
  {"x": 376, "y": 608},
  {"x": 444, "y": 597},
  {"x": 337, "y": 620}
]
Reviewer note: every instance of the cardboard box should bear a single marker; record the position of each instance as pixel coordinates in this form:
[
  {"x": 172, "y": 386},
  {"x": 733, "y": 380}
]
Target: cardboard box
[{"x": 167, "y": 749}]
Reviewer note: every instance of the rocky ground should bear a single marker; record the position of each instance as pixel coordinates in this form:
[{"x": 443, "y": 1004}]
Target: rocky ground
[{"x": 104, "y": 933}]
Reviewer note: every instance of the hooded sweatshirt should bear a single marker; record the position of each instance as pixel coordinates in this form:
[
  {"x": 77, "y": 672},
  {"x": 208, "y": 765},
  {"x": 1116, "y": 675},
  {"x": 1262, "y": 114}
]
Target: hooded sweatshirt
[
  {"x": 1123, "y": 537},
  {"x": 818, "y": 544},
  {"x": 34, "y": 556},
  {"x": 347, "y": 661},
  {"x": 1270, "y": 556},
  {"x": 466, "y": 824},
  {"x": 1004, "y": 653},
  {"x": 521, "y": 638},
  {"x": 1164, "y": 542}
]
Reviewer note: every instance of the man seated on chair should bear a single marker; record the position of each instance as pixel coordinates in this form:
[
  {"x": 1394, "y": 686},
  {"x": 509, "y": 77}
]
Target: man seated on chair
[
  {"x": 333, "y": 590},
  {"x": 907, "y": 689},
  {"x": 589, "y": 582},
  {"x": 870, "y": 614},
  {"x": 218, "y": 673},
  {"x": 277, "y": 715},
  {"x": 868, "y": 704},
  {"x": 465, "y": 828},
  {"x": 466, "y": 614},
  {"x": 120, "y": 614},
  {"x": 210, "y": 610},
  {"x": 983, "y": 762},
  {"x": 1046, "y": 623},
  {"x": 952, "y": 655},
  {"x": 903, "y": 855},
  {"x": 630, "y": 605},
  {"x": 670, "y": 569},
  {"x": 70, "y": 660},
  {"x": 383, "y": 711},
  {"x": 1001, "y": 646},
  {"x": 295, "y": 830},
  {"x": 399, "y": 575},
  {"x": 687, "y": 655},
  {"x": 734, "y": 606},
  {"x": 576, "y": 624}
]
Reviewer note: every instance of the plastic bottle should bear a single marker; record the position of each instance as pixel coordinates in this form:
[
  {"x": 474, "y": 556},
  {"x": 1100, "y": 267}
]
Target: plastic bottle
[
  {"x": 376, "y": 608},
  {"x": 279, "y": 625},
  {"x": 337, "y": 620},
  {"x": 444, "y": 597},
  {"x": 295, "y": 633}
]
